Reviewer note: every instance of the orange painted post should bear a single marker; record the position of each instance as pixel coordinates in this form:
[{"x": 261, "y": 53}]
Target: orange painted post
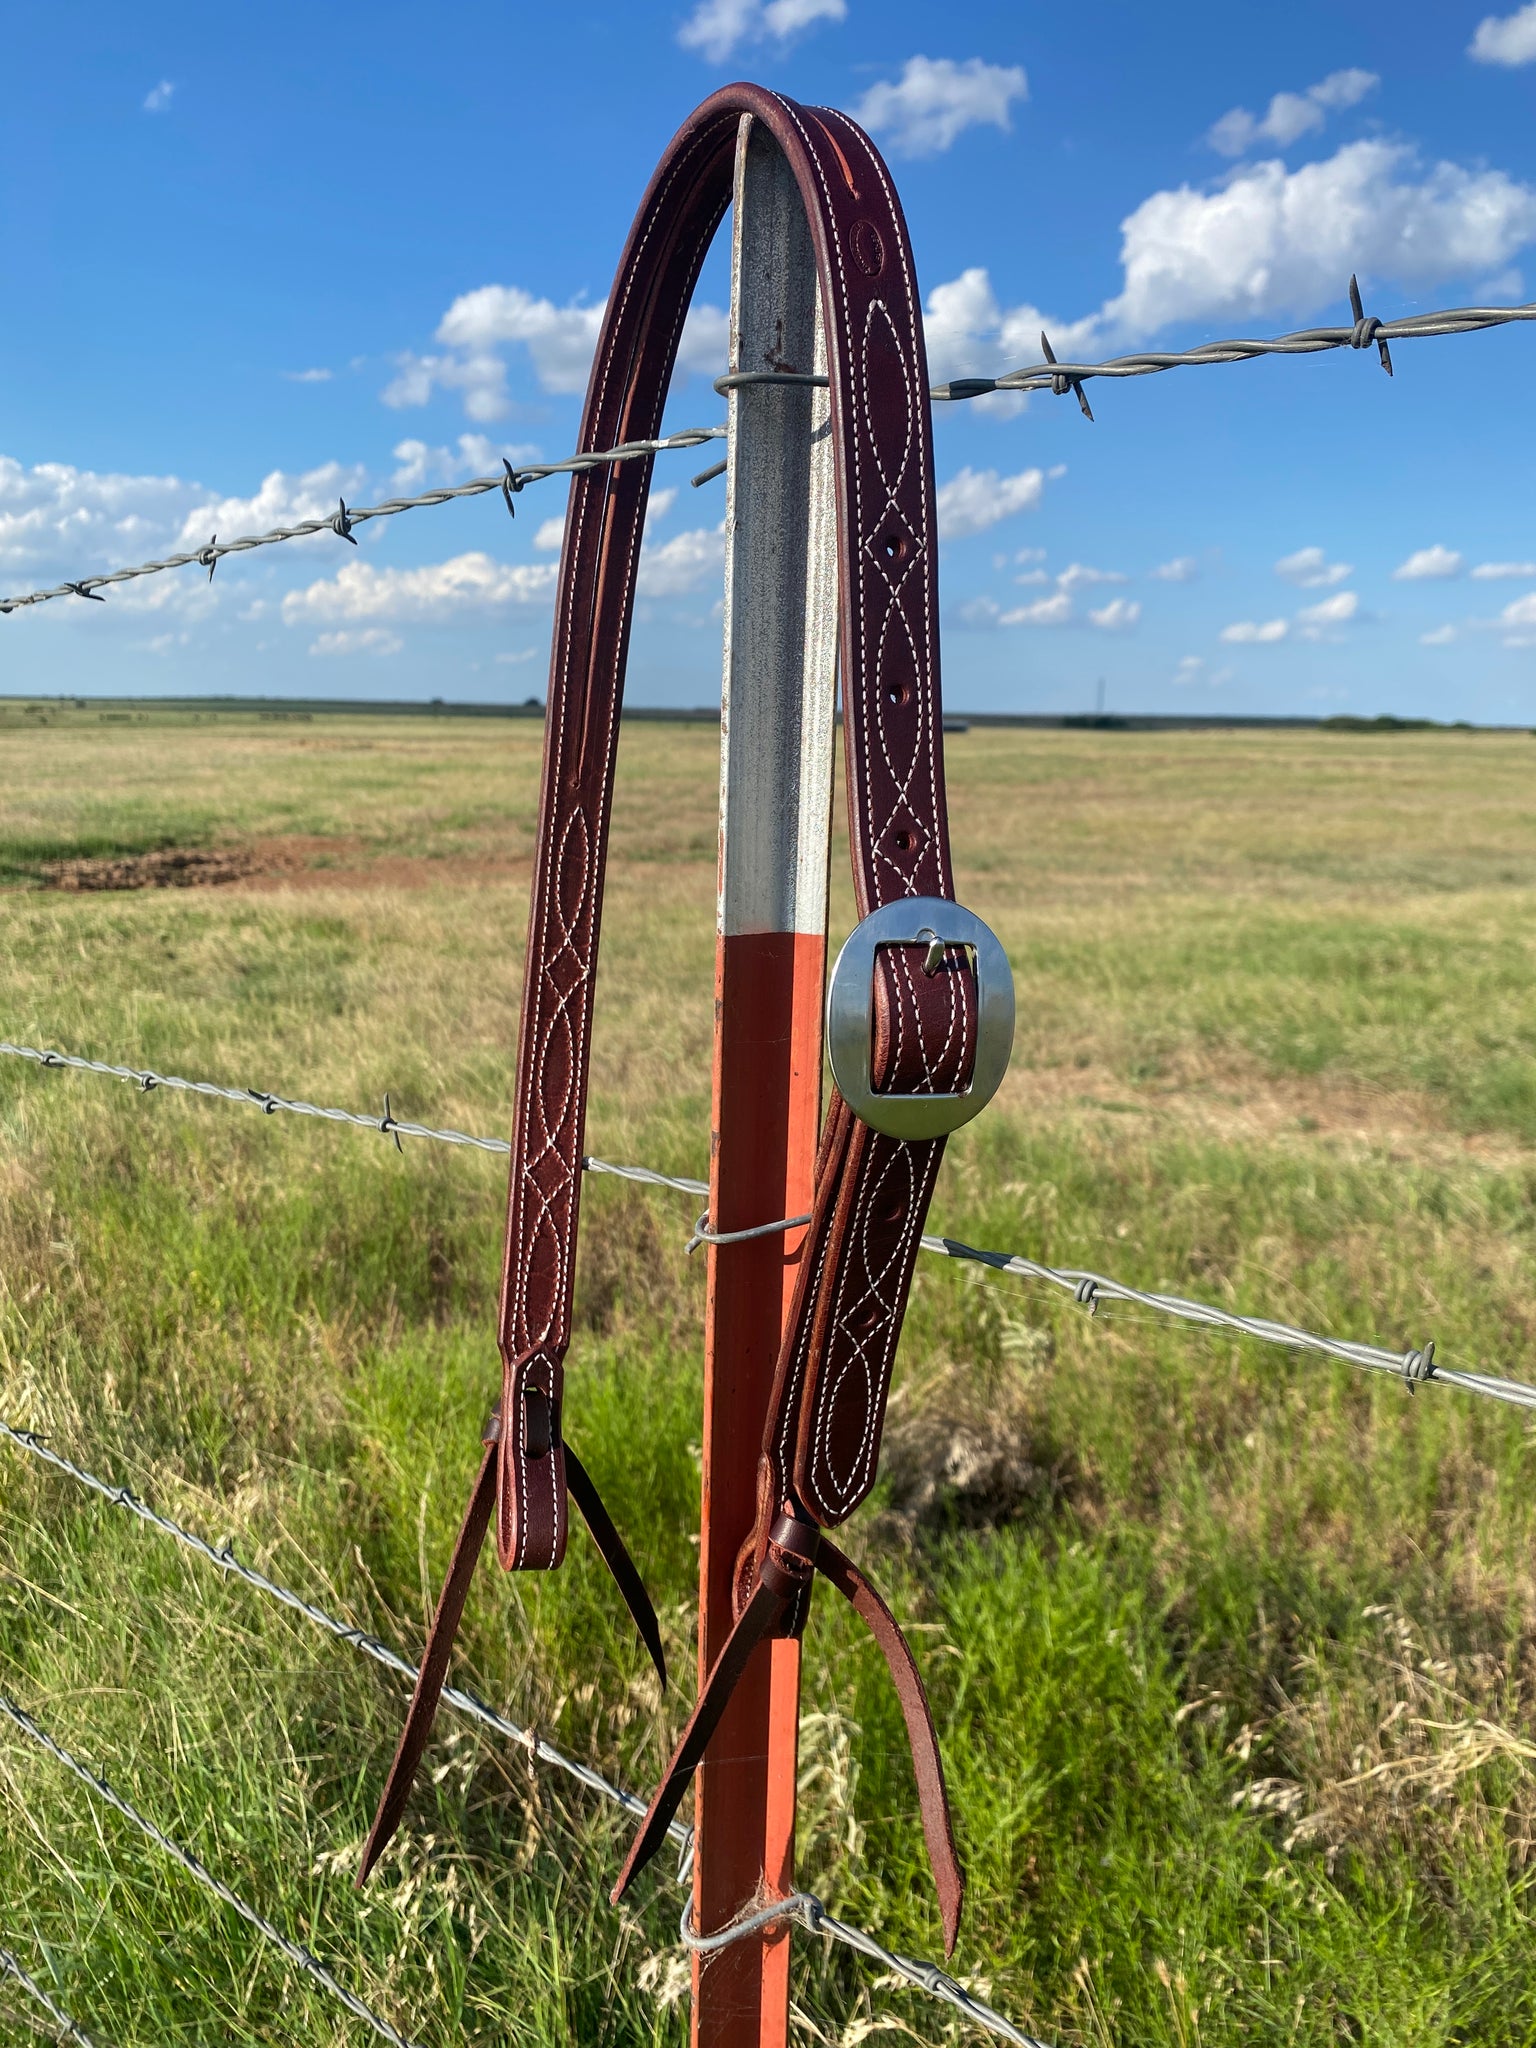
[{"x": 776, "y": 789}]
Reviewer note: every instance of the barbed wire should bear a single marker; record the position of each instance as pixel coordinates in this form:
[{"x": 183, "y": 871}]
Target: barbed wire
[
  {"x": 345, "y": 1632},
  {"x": 509, "y": 482},
  {"x": 68, "y": 2029},
  {"x": 1047, "y": 375},
  {"x": 146, "y": 1080},
  {"x": 925, "y": 1976},
  {"x": 806, "y": 1907},
  {"x": 1364, "y": 332},
  {"x": 1415, "y": 1366},
  {"x": 300, "y": 1958}
]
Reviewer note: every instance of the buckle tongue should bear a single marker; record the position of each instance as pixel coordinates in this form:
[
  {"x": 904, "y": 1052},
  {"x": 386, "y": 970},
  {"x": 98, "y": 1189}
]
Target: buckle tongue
[{"x": 939, "y": 925}]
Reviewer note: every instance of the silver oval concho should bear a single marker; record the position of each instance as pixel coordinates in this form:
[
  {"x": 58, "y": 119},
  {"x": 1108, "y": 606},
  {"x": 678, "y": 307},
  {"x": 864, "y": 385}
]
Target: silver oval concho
[{"x": 938, "y": 924}]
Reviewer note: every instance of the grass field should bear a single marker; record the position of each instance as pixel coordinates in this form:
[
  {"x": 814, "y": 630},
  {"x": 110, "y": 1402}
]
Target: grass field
[{"x": 1233, "y": 1653}]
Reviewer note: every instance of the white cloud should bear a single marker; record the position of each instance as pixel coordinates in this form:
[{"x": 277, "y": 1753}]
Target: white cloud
[
  {"x": 76, "y": 520},
  {"x": 1310, "y": 569},
  {"x": 1249, "y": 633},
  {"x": 1508, "y": 39},
  {"x": 1291, "y": 114},
  {"x": 514, "y": 658},
  {"x": 308, "y": 376},
  {"x": 471, "y": 455},
  {"x": 1442, "y": 636},
  {"x": 935, "y": 100},
  {"x": 1428, "y": 565},
  {"x": 682, "y": 563},
  {"x": 551, "y": 534},
  {"x": 715, "y": 27},
  {"x": 480, "y": 326},
  {"x": 1521, "y": 613},
  {"x": 974, "y": 499},
  {"x": 437, "y": 591},
  {"x": 1118, "y": 616},
  {"x": 1045, "y": 611},
  {"x": 1182, "y": 569},
  {"x": 1269, "y": 239},
  {"x": 367, "y": 640},
  {"x": 1491, "y": 572},
  {"x": 282, "y": 500},
  {"x": 158, "y": 99},
  {"x": 1313, "y": 620},
  {"x": 1077, "y": 574}
]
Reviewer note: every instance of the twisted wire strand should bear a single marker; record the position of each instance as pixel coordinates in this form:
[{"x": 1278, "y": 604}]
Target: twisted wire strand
[
  {"x": 209, "y": 556},
  {"x": 68, "y": 2028},
  {"x": 300, "y": 1958},
  {"x": 146, "y": 1080},
  {"x": 1307, "y": 341},
  {"x": 807, "y": 1908},
  {"x": 1414, "y": 1366},
  {"x": 1046, "y": 375},
  {"x": 925, "y": 1976},
  {"x": 226, "y": 1561}
]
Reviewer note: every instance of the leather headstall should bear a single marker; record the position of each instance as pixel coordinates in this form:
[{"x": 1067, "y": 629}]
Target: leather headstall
[{"x": 920, "y": 1019}]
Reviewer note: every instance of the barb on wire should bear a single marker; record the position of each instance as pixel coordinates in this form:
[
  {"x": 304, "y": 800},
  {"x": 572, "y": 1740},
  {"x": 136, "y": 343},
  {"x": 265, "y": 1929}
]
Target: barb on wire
[
  {"x": 300, "y": 1958},
  {"x": 927, "y": 1976},
  {"x": 1046, "y": 375},
  {"x": 507, "y": 481},
  {"x": 806, "y": 1907},
  {"x": 344, "y": 1632},
  {"x": 68, "y": 2030},
  {"x": 1363, "y": 332},
  {"x": 1413, "y": 1366}
]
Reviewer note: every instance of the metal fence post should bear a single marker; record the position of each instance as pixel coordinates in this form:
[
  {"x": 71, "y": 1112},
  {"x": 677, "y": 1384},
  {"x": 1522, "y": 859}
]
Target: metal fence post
[{"x": 775, "y": 817}]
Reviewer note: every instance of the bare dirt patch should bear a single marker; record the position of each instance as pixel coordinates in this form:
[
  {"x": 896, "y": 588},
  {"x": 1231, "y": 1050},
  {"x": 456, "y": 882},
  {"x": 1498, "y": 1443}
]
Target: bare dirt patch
[{"x": 170, "y": 867}]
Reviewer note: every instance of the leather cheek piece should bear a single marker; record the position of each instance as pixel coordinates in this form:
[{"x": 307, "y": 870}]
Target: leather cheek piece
[{"x": 532, "y": 1514}]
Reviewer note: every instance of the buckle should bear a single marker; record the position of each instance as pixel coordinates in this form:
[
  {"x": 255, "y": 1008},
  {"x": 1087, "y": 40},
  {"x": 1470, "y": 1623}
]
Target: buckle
[{"x": 939, "y": 925}]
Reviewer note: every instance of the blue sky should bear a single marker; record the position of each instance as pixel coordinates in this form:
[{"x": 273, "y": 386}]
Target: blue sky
[{"x": 260, "y": 258}]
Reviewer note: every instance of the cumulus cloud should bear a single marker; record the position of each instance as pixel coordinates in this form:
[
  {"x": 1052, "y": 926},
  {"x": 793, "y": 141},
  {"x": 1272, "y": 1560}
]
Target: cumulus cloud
[
  {"x": 1291, "y": 115},
  {"x": 1442, "y": 636},
  {"x": 1493, "y": 572},
  {"x": 1078, "y": 573},
  {"x": 1182, "y": 569},
  {"x": 471, "y": 455},
  {"x": 158, "y": 99},
  {"x": 1268, "y": 239},
  {"x": 1314, "y": 620},
  {"x": 82, "y": 519},
  {"x": 1251, "y": 633},
  {"x": 716, "y": 27},
  {"x": 1521, "y": 613},
  {"x": 1118, "y": 616},
  {"x": 1429, "y": 565},
  {"x": 481, "y": 326},
  {"x": 551, "y": 534},
  {"x": 440, "y": 590},
  {"x": 974, "y": 499},
  {"x": 935, "y": 100},
  {"x": 969, "y": 334},
  {"x": 282, "y": 500},
  {"x": 1045, "y": 611},
  {"x": 366, "y": 640},
  {"x": 308, "y": 376},
  {"x": 682, "y": 563},
  {"x": 1508, "y": 39},
  {"x": 1310, "y": 569}
]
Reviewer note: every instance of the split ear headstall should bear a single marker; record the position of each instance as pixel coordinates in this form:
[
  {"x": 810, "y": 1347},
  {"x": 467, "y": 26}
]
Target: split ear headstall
[{"x": 920, "y": 1004}]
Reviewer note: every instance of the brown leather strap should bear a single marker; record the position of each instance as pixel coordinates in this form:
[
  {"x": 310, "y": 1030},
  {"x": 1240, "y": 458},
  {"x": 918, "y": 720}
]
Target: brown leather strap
[
  {"x": 618, "y": 1560},
  {"x": 823, "y": 1434},
  {"x": 433, "y": 1675},
  {"x": 932, "y": 1793},
  {"x": 795, "y": 1548}
]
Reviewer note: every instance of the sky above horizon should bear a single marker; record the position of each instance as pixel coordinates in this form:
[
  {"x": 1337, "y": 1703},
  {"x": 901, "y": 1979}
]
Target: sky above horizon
[{"x": 262, "y": 260}]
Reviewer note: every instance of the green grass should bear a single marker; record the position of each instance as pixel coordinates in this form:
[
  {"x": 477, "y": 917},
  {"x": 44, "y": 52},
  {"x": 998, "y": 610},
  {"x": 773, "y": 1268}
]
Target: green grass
[{"x": 1232, "y": 1653}]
